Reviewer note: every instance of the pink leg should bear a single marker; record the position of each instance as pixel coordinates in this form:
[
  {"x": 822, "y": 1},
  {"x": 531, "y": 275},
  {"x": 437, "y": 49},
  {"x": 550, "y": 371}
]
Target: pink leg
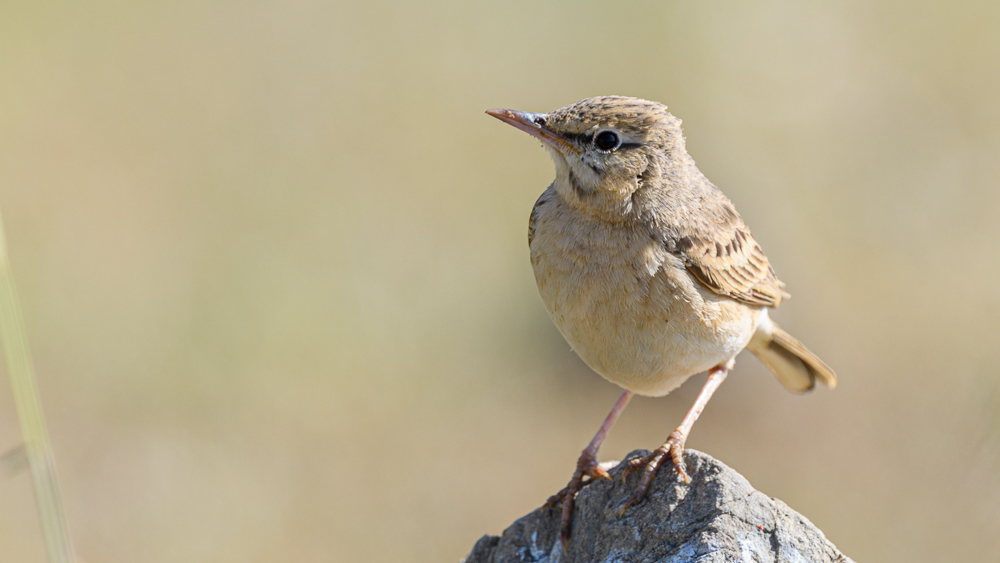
[
  {"x": 602, "y": 432},
  {"x": 674, "y": 447},
  {"x": 586, "y": 466}
]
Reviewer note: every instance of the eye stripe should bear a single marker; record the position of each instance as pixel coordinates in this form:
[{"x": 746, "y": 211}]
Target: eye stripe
[
  {"x": 588, "y": 138},
  {"x": 582, "y": 138}
]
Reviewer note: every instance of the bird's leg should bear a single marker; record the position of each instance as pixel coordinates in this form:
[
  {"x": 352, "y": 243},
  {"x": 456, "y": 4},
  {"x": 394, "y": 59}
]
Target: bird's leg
[
  {"x": 586, "y": 466},
  {"x": 674, "y": 447}
]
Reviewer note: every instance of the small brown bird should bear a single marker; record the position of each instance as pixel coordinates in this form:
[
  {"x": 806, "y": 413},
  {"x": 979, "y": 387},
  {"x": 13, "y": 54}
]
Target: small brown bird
[{"x": 647, "y": 269}]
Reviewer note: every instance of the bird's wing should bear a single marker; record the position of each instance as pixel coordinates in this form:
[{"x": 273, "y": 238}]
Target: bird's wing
[{"x": 719, "y": 251}]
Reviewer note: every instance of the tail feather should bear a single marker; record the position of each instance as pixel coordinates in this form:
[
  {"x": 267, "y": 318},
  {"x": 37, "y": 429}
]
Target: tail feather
[{"x": 794, "y": 365}]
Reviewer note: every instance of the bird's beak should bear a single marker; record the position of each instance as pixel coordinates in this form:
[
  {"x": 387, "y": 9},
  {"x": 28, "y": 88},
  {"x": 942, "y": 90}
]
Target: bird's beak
[{"x": 533, "y": 124}]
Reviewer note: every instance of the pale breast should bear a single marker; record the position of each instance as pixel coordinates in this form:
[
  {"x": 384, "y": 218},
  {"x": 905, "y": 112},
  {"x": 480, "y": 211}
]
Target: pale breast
[{"x": 627, "y": 306}]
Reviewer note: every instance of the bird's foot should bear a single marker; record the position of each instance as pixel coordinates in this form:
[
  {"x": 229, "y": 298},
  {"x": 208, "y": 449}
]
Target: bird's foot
[
  {"x": 674, "y": 447},
  {"x": 586, "y": 467}
]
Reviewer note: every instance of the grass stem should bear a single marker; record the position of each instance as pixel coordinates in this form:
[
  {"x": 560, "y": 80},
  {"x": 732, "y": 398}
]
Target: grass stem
[{"x": 29, "y": 410}]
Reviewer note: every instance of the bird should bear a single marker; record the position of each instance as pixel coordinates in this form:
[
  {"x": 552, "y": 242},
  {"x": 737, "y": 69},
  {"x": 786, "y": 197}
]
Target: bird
[{"x": 648, "y": 271}]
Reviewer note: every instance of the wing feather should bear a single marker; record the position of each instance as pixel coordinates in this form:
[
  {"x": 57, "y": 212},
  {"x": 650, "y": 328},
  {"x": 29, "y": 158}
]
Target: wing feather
[{"x": 724, "y": 257}]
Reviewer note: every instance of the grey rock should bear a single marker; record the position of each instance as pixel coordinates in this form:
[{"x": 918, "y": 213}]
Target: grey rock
[{"x": 716, "y": 518}]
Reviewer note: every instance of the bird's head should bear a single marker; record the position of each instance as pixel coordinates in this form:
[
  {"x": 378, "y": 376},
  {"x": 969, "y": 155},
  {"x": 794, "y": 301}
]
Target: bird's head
[{"x": 605, "y": 149}]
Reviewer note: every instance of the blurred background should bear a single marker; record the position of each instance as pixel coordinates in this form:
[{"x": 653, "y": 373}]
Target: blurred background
[{"x": 273, "y": 261}]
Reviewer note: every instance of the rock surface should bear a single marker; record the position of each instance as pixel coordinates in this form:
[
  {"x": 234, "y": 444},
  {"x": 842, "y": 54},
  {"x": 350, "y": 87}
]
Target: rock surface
[{"x": 717, "y": 518}]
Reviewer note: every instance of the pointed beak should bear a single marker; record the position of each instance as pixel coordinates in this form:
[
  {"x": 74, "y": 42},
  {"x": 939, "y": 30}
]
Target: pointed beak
[{"x": 533, "y": 124}]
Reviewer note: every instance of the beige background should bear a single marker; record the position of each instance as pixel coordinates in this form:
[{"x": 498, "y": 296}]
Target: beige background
[{"x": 273, "y": 261}]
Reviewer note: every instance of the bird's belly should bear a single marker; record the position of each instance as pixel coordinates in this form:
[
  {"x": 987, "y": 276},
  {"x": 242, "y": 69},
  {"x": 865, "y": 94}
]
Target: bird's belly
[{"x": 645, "y": 329}]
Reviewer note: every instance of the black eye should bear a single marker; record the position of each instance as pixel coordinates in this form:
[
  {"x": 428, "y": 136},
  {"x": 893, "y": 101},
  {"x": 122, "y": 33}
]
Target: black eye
[{"x": 607, "y": 141}]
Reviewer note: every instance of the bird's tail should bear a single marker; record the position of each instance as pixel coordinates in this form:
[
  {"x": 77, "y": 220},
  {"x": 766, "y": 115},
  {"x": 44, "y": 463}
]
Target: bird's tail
[{"x": 794, "y": 365}]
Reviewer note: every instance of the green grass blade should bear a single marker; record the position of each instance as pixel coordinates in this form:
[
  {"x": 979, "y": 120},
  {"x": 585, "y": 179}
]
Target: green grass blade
[{"x": 29, "y": 411}]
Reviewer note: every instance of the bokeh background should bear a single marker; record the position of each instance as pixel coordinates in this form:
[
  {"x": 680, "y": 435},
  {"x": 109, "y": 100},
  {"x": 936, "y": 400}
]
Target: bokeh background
[{"x": 273, "y": 260}]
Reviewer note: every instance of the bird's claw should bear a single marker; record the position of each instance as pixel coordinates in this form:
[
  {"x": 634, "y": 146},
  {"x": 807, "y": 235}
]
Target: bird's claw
[
  {"x": 674, "y": 447},
  {"x": 587, "y": 471}
]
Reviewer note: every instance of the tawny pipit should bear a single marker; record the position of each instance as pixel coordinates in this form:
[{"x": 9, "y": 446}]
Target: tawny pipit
[{"x": 647, "y": 269}]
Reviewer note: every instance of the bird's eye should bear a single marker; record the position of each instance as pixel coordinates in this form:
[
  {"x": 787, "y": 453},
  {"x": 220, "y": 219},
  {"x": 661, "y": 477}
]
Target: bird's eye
[{"x": 607, "y": 141}]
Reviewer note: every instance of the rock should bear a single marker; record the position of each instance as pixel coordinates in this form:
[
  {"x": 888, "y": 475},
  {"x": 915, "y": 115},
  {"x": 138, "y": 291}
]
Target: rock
[{"x": 716, "y": 518}]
